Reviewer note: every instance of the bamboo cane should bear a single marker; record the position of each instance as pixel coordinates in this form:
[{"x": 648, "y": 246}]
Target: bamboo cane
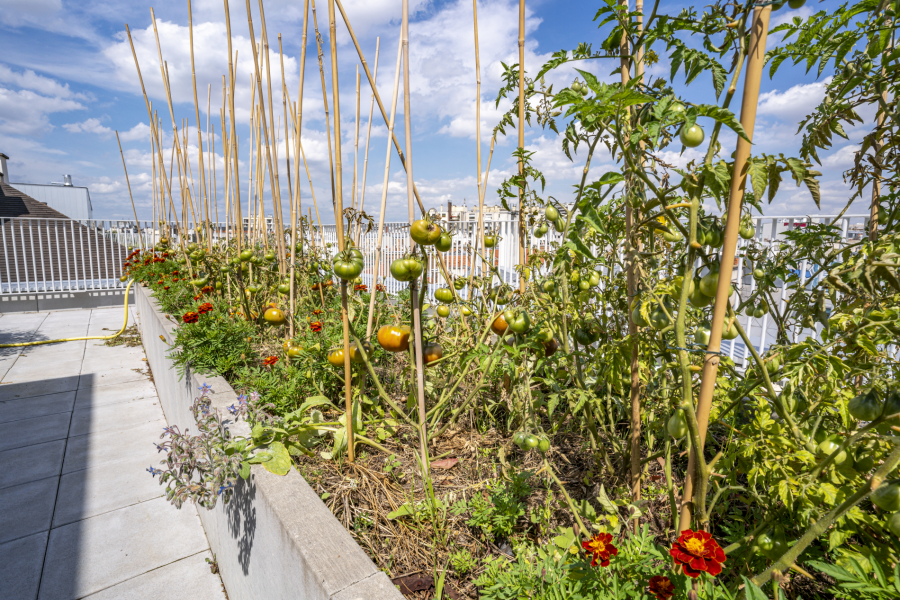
[
  {"x": 479, "y": 232},
  {"x": 362, "y": 198},
  {"x": 339, "y": 224},
  {"x": 203, "y": 190},
  {"x": 384, "y": 188},
  {"x": 153, "y": 165},
  {"x": 521, "y": 141},
  {"x": 236, "y": 195},
  {"x": 414, "y": 297},
  {"x": 127, "y": 181},
  {"x": 293, "y": 197},
  {"x": 324, "y": 100},
  {"x": 276, "y": 192},
  {"x": 755, "y": 62},
  {"x": 355, "y": 146}
]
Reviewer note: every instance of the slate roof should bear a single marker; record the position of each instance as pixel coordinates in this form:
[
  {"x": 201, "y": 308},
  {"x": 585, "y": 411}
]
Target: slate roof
[{"x": 14, "y": 203}]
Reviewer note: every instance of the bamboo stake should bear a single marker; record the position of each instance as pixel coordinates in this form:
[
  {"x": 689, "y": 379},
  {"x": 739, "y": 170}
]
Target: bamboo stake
[
  {"x": 203, "y": 190},
  {"x": 384, "y": 186},
  {"x": 232, "y": 136},
  {"x": 755, "y": 61},
  {"x": 276, "y": 193},
  {"x": 212, "y": 165},
  {"x": 296, "y": 194},
  {"x": 414, "y": 297},
  {"x": 355, "y": 148},
  {"x": 522, "y": 140},
  {"x": 362, "y": 198},
  {"x": 129, "y": 186},
  {"x": 479, "y": 232},
  {"x": 325, "y": 100},
  {"x": 339, "y": 224},
  {"x": 153, "y": 164}
]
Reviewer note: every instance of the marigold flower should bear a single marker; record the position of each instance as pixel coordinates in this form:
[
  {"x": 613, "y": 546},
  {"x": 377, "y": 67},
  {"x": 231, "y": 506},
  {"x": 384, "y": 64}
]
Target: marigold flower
[
  {"x": 205, "y": 308},
  {"x": 316, "y": 326},
  {"x": 174, "y": 272},
  {"x": 600, "y": 548},
  {"x": 661, "y": 587},
  {"x": 190, "y": 317},
  {"x": 697, "y": 552},
  {"x": 380, "y": 288},
  {"x": 270, "y": 360},
  {"x": 165, "y": 287},
  {"x": 176, "y": 279},
  {"x": 196, "y": 298},
  {"x": 206, "y": 289},
  {"x": 317, "y": 312},
  {"x": 360, "y": 288}
]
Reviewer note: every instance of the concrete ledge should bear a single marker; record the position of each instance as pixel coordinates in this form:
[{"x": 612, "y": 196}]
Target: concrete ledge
[
  {"x": 44, "y": 301},
  {"x": 276, "y": 538}
]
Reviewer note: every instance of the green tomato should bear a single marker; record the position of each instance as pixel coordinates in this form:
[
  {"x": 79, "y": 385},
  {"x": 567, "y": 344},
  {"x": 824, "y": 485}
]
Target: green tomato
[
  {"x": 865, "y": 407},
  {"x": 443, "y": 295},
  {"x": 678, "y": 282},
  {"x": 828, "y": 447},
  {"x": 637, "y": 317},
  {"x": 730, "y": 333},
  {"x": 424, "y": 232},
  {"x": 677, "y": 425},
  {"x": 284, "y": 288},
  {"x": 459, "y": 283},
  {"x": 551, "y": 214},
  {"x": 758, "y": 274},
  {"x": 443, "y": 311},
  {"x": 697, "y": 298},
  {"x": 531, "y": 441},
  {"x": 541, "y": 230},
  {"x": 747, "y": 231},
  {"x": 520, "y": 322},
  {"x": 559, "y": 225},
  {"x": 658, "y": 318},
  {"x": 548, "y": 286},
  {"x": 490, "y": 240},
  {"x": 795, "y": 4},
  {"x": 270, "y": 256},
  {"x": 887, "y": 497},
  {"x": 444, "y": 243},
  {"x": 584, "y": 285},
  {"x": 246, "y": 255},
  {"x": 701, "y": 336},
  {"x": 692, "y": 136},
  {"x": 543, "y": 444}
]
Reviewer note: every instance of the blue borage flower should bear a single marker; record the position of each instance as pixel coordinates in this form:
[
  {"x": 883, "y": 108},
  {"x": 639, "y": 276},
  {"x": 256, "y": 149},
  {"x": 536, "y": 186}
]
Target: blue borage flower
[
  {"x": 222, "y": 488},
  {"x": 154, "y": 471},
  {"x": 205, "y": 389}
]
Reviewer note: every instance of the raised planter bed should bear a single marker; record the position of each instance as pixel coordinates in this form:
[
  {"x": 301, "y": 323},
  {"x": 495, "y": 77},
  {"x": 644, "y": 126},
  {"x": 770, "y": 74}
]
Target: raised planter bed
[{"x": 275, "y": 539}]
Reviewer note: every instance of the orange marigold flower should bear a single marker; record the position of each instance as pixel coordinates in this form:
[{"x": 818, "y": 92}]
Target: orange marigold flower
[
  {"x": 206, "y": 289},
  {"x": 270, "y": 360},
  {"x": 380, "y": 288},
  {"x": 697, "y": 552},
  {"x": 661, "y": 587},
  {"x": 600, "y": 548},
  {"x": 360, "y": 288},
  {"x": 176, "y": 279},
  {"x": 317, "y": 312},
  {"x": 190, "y": 317},
  {"x": 196, "y": 298},
  {"x": 174, "y": 272},
  {"x": 316, "y": 326},
  {"x": 205, "y": 308},
  {"x": 165, "y": 287}
]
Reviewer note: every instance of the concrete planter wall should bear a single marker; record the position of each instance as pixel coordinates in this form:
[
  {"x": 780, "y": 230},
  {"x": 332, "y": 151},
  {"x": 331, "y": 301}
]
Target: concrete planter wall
[{"x": 276, "y": 538}]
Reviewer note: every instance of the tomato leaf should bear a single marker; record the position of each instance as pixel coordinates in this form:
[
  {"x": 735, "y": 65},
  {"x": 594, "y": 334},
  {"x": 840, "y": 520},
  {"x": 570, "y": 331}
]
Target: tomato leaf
[{"x": 723, "y": 116}]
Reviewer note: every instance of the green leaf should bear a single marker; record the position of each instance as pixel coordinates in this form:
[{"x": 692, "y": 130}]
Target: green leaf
[
  {"x": 605, "y": 502},
  {"x": 281, "y": 459},
  {"x": 245, "y": 470},
  {"x": 575, "y": 244},
  {"x": 756, "y": 173},
  {"x": 406, "y": 509},
  {"x": 753, "y": 591},
  {"x": 723, "y": 116}
]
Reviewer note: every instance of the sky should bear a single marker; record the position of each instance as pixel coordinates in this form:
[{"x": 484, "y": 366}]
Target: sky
[{"x": 68, "y": 82}]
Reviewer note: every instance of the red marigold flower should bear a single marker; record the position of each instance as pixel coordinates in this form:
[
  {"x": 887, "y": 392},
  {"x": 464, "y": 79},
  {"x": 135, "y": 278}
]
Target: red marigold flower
[
  {"x": 360, "y": 288},
  {"x": 165, "y": 287},
  {"x": 160, "y": 282},
  {"x": 205, "y": 308},
  {"x": 206, "y": 289},
  {"x": 380, "y": 288},
  {"x": 600, "y": 548},
  {"x": 190, "y": 317},
  {"x": 174, "y": 272},
  {"x": 316, "y": 326},
  {"x": 197, "y": 297},
  {"x": 697, "y": 552},
  {"x": 270, "y": 360},
  {"x": 317, "y": 312},
  {"x": 661, "y": 587},
  {"x": 176, "y": 279}
]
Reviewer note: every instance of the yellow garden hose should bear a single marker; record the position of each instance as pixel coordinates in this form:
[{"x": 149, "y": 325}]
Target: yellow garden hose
[{"x": 93, "y": 337}]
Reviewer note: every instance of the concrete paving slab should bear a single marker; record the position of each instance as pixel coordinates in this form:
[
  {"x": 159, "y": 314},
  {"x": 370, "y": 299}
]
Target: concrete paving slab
[
  {"x": 6, "y": 363},
  {"x": 107, "y": 362},
  {"x": 192, "y": 574},
  {"x": 112, "y": 417},
  {"x": 21, "y": 562},
  {"x": 91, "y": 451},
  {"x": 39, "y": 406},
  {"x": 98, "y": 490},
  {"x": 28, "y": 389},
  {"x": 27, "y": 508},
  {"x": 28, "y": 432},
  {"x": 95, "y": 554},
  {"x": 31, "y": 463},
  {"x": 37, "y": 369},
  {"x": 54, "y": 351},
  {"x": 94, "y": 391},
  {"x": 109, "y": 377}
]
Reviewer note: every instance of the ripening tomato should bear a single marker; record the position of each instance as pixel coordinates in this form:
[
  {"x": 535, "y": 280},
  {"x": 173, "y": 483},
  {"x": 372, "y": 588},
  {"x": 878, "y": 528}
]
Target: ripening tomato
[
  {"x": 356, "y": 356},
  {"x": 465, "y": 310},
  {"x": 499, "y": 325},
  {"x": 294, "y": 351},
  {"x": 431, "y": 352},
  {"x": 274, "y": 316},
  {"x": 336, "y": 357},
  {"x": 550, "y": 347},
  {"x": 424, "y": 232},
  {"x": 490, "y": 240},
  {"x": 394, "y": 338}
]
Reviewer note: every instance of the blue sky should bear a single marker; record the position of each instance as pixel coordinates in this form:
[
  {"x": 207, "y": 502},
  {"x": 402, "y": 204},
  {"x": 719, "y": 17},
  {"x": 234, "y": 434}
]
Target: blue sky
[{"x": 67, "y": 81}]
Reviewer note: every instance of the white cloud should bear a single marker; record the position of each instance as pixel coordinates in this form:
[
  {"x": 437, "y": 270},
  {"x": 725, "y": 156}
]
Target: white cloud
[
  {"x": 794, "y": 103},
  {"x": 138, "y": 133},
  {"x": 30, "y": 80},
  {"x": 841, "y": 159},
  {"x": 91, "y": 125},
  {"x": 26, "y": 113}
]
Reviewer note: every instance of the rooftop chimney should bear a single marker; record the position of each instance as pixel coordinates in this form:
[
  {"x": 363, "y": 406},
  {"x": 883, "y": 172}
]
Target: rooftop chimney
[
  {"x": 449, "y": 211},
  {"x": 4, "y": 174},
  {"x": 67, "y": 180}
]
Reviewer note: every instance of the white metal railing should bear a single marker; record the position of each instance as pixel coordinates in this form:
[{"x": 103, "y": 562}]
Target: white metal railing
[{"x": 48, "y": 255}]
